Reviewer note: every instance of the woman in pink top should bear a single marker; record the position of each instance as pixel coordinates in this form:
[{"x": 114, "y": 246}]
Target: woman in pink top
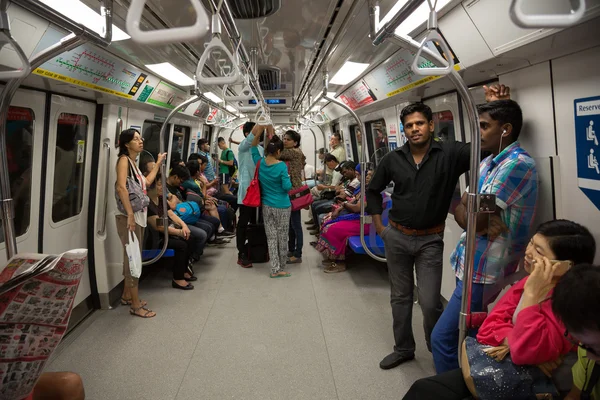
[{"x": 522, "y": 323}]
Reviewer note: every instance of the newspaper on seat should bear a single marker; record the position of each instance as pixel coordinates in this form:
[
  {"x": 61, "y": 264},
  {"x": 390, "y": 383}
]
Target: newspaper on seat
[{"x": 37, "y": 292}]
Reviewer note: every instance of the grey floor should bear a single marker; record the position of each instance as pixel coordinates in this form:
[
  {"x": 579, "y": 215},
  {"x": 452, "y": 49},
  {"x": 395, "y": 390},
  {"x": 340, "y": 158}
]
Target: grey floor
[{"x": 241, "y": 335}]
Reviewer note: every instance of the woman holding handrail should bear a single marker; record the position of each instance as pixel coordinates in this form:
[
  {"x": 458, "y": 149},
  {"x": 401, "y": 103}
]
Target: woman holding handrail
[
  {"x": 275, "y": 184},
  {"x": 131, "y": 145}
]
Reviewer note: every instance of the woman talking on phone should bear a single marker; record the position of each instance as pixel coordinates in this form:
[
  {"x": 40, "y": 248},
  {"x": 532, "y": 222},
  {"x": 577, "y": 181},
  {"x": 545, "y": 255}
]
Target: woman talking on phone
[{"x": 131, "y": 145}]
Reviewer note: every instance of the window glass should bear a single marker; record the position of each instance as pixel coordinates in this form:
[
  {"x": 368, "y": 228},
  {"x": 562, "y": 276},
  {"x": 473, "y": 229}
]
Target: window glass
[
  {"x": 151, "y": 135},
  {"x": 69, "y": 166},
  {"x": 180, "y": 146},
  {"x": 19, "y": 146},
  {"x": 444, "y": 131},
  {"x": 380, "y": 140}
]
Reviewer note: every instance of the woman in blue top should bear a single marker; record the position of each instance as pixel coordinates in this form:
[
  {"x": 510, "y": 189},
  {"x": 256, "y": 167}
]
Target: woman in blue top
[{"x": 275, "y": 184}]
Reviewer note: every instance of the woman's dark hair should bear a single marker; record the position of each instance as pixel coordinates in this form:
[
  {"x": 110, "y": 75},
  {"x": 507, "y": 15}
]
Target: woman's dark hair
[
  {"x": 275, "y": 144},
  {"x": 175, "y": 161},
  {"x": 125, "y": 137},
  {"x": 569, "y": 241},
  {"x": 193, "y": 167},
  {"x": 295, "y": 136},
  {"x": 414, "y": 108},
  {"x": 203, "y": 159},
  {"x": 576, "y": 297},
  {"x": 193, "y": 157}
]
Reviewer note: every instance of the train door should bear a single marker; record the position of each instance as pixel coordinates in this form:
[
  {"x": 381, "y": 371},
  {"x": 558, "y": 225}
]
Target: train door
[
  {"x": 69, "y": 154},
  {"x": 356, "y": 142},
  {"x": 25, "y": 143},
  {"x": 446, "y": 119},
  {"x": 181, "y": 140}
]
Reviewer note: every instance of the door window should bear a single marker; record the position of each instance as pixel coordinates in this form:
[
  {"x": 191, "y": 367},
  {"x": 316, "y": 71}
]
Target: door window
[
  {"x": 19, "y": 146},
  {"x": 69, "y": 166}
]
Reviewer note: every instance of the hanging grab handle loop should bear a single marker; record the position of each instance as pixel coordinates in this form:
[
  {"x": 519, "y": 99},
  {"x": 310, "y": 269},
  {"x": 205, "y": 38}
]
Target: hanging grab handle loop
[
  {"x": 262, "y": 117},
  {"x": 171, "y": 35},
  {"x": 245, "y": 94},
  {"x": 545, "y": 20},
  {"x": 435, "y": 36},
  {"x": 232, "y": 78},
  {"x": 6, "y": 38}
]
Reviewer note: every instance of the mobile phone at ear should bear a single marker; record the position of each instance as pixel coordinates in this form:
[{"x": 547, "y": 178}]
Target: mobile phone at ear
[{"x": 562, "y": 267}]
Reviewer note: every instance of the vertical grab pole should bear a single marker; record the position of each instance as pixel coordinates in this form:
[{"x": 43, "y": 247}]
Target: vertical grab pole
[
  {"x": 364, "y": 219},
  {"x": 163, "y": 178}
]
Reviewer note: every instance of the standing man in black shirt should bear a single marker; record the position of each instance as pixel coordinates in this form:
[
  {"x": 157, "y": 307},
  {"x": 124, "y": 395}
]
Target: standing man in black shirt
[{"x": 425, "y": 172}]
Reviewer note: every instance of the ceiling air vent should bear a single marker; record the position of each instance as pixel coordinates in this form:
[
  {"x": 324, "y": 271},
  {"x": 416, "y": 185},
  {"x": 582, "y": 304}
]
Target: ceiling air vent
[
  {"x": 252, "y": 9},
  {"x": 269, "y": 77}
]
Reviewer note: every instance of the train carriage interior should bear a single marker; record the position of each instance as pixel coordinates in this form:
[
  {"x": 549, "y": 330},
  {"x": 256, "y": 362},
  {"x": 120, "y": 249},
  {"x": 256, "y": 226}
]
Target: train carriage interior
[{"x": 75, "y": 74}]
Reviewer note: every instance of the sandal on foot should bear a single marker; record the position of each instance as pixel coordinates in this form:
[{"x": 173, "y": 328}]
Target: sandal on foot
[
  {"x": 335, "y": 267},
  {"x": 280, "y": 274},
  {"x": 136, "y": 312},
  {"x": 127, "y": 302}
]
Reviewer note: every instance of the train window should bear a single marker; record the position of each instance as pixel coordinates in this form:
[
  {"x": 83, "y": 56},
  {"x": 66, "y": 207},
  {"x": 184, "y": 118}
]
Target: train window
[
  {"x": 151, "y": 135},
  {"x": 181, "y": 141},
  {"x": 444, "y": 131},
  {"x": 19, "y": 143},
  {"x": 378, "y": 140},
  {"x": 444, "y": 125},
  {"x": 69, "y": 166}
]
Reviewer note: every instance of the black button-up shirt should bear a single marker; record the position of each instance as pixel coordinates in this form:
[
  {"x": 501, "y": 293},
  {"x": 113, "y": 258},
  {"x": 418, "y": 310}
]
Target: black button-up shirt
[{"x": 422, "y": 194}]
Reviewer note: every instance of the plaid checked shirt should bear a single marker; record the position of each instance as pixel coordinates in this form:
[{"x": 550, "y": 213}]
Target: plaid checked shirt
[{"x": 512, "y": 177}]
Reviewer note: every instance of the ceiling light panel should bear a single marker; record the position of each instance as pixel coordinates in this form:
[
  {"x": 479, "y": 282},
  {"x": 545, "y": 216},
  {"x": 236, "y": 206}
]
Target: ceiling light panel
[
  {"x": 82, "y": 14},
  {"x": 230, "y": 108},
  {"x": 170, "y": 73},
  {"x": 418, "y": 17},
  {"x": 349, "y": 72},
  {"x": 213, "y": 97}
]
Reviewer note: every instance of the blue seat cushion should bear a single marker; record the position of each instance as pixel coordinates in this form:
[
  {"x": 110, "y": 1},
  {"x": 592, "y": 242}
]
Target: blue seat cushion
[
  {"x": 150, "y": 254},
  {"x": 356, "y": 245}
]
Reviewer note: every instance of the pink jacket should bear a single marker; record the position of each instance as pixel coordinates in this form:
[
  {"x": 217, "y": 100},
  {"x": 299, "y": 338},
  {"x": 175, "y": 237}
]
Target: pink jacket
[{"x": 536, "y": 338}]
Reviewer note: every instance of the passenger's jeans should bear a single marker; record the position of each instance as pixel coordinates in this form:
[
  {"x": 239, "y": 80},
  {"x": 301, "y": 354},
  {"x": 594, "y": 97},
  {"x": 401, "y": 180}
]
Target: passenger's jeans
[
  {"x": 211, "y": 221},
  {"x": 320, "y": 207},
  {"x": 229, "y": 198},
  {"x": 296, "y": 238},
  {"x": 444, "y": 338},
  {"x": 198, "y": 239},
  {"x": 425, "y": 253}
]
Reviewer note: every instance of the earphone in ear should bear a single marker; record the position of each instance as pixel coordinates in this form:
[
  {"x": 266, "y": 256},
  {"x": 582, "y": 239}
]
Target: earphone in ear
[{"x": 504, "y": 133}]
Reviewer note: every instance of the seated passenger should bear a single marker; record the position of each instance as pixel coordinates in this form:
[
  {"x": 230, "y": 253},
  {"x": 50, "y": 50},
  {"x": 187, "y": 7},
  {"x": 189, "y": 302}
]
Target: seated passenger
[
  {"x": 575, "y": 302},
  {"x": 324, "y": 193},
  {"x": 522, "y": 323},
  {"x": 180, "y": 240},
  {"x": 338, "y": 227}
]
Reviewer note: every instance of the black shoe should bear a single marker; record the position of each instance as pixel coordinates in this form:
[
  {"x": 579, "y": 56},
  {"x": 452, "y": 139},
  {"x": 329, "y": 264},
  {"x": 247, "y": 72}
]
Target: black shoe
[
  {"x": 189, "y": 286},
  {"x": 225, "y": 234},
  {"x": 244, "y": 262},
  {"x": 395, "y": 359},
  {"x": 191, "y": 279},
  {"x": 217, "y": 242}
]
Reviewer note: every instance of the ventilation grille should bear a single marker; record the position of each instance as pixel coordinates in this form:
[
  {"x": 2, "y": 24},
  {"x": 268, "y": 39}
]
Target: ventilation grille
[
  {"x": 252, "y": 9},
  {"x": 269, "y": 77}
]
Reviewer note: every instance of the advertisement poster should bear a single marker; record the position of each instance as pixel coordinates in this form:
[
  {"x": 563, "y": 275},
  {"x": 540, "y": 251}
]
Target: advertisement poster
[
  {"x": 357, "y": 96},
  {"x": 166, "y": 96}
]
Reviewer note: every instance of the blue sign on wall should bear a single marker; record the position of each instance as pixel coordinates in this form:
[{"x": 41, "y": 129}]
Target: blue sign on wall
[{"x": 587, "y": 137}]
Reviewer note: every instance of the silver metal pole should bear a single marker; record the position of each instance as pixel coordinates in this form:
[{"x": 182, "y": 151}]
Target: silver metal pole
[
  {"x": 163, "y": 178},
  {"x": 473, "y": 194},
  {"x": 364, "y": 219},
  {"x": 390, "y": 26}
]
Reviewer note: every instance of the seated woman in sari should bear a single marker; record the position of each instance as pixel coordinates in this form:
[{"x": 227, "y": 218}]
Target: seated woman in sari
[
  {"x": 521, "y": 324},
  {"x": 338, "y": 226}
]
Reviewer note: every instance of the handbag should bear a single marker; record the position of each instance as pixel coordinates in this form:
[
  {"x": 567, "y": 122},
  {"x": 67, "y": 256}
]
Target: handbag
[
  {"x": 134, "y": 255},
  {"x": 252, "y": 198},
  {"x": 488, "y": 379},
  {"x": 300, "y": 197},
  {"x": 137, "y": 197},
  {"x": 189, "y": 212}
]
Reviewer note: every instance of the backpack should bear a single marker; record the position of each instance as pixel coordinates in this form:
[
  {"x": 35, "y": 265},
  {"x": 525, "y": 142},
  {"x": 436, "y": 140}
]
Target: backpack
[
  {"x": 189, "y": 212},
  {"x": 234, "y": 167}
]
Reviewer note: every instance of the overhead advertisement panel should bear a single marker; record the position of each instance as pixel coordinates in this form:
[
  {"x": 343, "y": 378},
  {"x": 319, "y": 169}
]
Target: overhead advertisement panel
[
  {"x": 359, "y": 95},
  {"x": 395, "y": 75},
  {"x": 167, "y": 96},
  {"x": 94, "y": 68}
]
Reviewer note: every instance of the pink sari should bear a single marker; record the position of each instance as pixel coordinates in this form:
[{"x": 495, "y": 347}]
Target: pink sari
[{"x": 333, "y": 241}]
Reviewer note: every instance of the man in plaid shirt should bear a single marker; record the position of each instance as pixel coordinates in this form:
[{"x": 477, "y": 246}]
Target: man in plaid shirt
[{"x": 510, "y": 174}]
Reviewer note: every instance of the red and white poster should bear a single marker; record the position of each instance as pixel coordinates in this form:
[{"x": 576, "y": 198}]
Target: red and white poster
[{"x": 357, "y": 96}]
